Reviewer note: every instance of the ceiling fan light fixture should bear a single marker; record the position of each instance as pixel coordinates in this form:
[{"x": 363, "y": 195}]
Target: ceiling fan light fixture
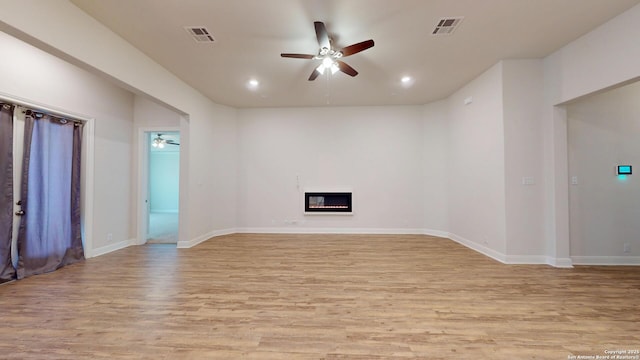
[
  {"x": 158, "y": 142},
  {"x": 329, "y": 56},
  {"x": 334, "y": 68}
]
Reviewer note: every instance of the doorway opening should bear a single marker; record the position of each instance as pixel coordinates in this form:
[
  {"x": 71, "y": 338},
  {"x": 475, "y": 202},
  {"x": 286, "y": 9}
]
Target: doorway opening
[
  {"x": 49, "y": 170},
  {"x": 163, "y": 186}
]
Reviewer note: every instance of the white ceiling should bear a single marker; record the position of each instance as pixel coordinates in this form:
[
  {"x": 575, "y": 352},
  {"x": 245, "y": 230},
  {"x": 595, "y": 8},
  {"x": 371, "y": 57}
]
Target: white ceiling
[{"x": 251, "y": 34}]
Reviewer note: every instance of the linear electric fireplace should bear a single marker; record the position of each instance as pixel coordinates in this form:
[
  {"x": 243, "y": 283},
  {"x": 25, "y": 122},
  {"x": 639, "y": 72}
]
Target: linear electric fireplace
[{"x": 327, "y": 202}]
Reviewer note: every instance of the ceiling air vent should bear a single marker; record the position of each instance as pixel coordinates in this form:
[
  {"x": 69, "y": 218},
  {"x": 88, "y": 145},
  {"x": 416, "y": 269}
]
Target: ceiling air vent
[
  {"x": 446, "y": 26},
  {"x": 200, "y": 34}
]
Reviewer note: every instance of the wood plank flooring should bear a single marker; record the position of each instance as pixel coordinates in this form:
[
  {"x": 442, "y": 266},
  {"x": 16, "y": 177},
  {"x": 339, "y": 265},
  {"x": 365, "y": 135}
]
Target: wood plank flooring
[{"x": 318, "y": 297}]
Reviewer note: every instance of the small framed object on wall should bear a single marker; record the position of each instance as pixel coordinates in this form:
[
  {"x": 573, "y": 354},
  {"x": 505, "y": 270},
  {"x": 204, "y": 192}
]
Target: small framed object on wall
[{"x": 624, "y": 170}]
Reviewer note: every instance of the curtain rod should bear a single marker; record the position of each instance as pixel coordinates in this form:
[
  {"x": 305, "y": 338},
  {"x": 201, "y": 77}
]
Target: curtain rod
[{"x": 38, "y": 108}]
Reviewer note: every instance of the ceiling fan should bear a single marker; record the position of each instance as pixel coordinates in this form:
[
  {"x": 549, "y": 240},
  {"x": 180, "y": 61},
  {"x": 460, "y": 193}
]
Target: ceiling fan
[
  {"x": 160, "y": 142},
  {"x": 331, "y": 57}
]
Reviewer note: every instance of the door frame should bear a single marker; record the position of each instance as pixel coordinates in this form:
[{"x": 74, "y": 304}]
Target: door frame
[{"x": 143, "y": 180}]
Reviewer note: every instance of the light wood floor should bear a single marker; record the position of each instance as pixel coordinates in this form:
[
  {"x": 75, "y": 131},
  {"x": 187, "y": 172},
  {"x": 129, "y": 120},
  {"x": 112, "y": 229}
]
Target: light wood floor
[{"x": 317, "y": 297}]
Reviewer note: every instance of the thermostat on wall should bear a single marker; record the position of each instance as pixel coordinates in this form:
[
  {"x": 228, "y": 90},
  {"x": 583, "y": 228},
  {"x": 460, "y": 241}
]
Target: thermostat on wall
[{"x": 624, "y": 170}]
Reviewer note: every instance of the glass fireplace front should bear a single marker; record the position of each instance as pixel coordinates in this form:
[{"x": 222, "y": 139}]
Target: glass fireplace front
[{"x": 327, "y": 202}]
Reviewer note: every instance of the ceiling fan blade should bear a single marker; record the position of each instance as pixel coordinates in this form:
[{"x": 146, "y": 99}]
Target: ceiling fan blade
[
  {"x": 356, "y": 48},
  {"x": 314, "y": 74},
  {"x": 297, "y": 56},
  {"x": 322, "y": 35},
  {"x": 345, "y": 68}
]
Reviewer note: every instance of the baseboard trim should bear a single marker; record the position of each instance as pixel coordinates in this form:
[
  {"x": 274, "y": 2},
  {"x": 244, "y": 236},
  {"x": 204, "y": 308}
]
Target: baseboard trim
[
  {"x": 436, "y": 233},
  {"x": 479, "y": 248},
  {"x": 606, "y": 260},
  {"x": 526, "y": 259},
  {"x": 355, "y": 231},
  {"x": 202, "y": 238},
  {"x": 503, "y": 258},
  {"x": 538, "y": 260},
  {"x": 110, "y": 248},
  {"x": 566, "y": 263}
]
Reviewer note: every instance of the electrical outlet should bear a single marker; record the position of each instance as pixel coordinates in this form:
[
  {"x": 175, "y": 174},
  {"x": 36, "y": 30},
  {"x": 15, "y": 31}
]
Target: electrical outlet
[
  {"x": 627, "y": 247},
  {"x": 528, "y": 180},
  {"x": 109, "y": 237}
]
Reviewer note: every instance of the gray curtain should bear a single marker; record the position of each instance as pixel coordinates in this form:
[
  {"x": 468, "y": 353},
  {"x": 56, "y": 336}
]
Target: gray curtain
[
  {"x": 7, "y": 272},
  {"x": 49, "y": 235}
]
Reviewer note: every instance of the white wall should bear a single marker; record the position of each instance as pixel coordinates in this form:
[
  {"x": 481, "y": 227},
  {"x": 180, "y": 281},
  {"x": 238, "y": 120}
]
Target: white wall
[
  {"x": 602, "y": 58},
  {"x": 148, "y": 113},
  {"x": 477, "y": 164},
  {"x": 524, "y": 181},
  {"x": 607, "y": 56},
  {"x": 34, "y": 75},
  {"x": 378, "y": 152},
  {"x": 604, "y": 131},
  {"x": 207, "y": 129},
  {"x": 164, "y": 181},
  {"x": 434, "y": 167}
]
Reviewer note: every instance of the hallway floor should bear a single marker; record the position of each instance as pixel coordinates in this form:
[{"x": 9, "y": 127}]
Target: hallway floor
[{"x": 163, "y": 228}]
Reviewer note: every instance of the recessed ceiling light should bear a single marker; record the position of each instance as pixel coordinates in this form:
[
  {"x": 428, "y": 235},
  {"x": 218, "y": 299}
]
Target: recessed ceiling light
[
  {"x": 407, "y": 81},
  {"x": 253, "y": 84}
]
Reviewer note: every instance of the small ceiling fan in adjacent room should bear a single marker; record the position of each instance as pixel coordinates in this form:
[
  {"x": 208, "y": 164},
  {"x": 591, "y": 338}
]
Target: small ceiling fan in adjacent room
[
  {"x": 331, "y": 57},
  {"x": 160, "y": 142}
]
